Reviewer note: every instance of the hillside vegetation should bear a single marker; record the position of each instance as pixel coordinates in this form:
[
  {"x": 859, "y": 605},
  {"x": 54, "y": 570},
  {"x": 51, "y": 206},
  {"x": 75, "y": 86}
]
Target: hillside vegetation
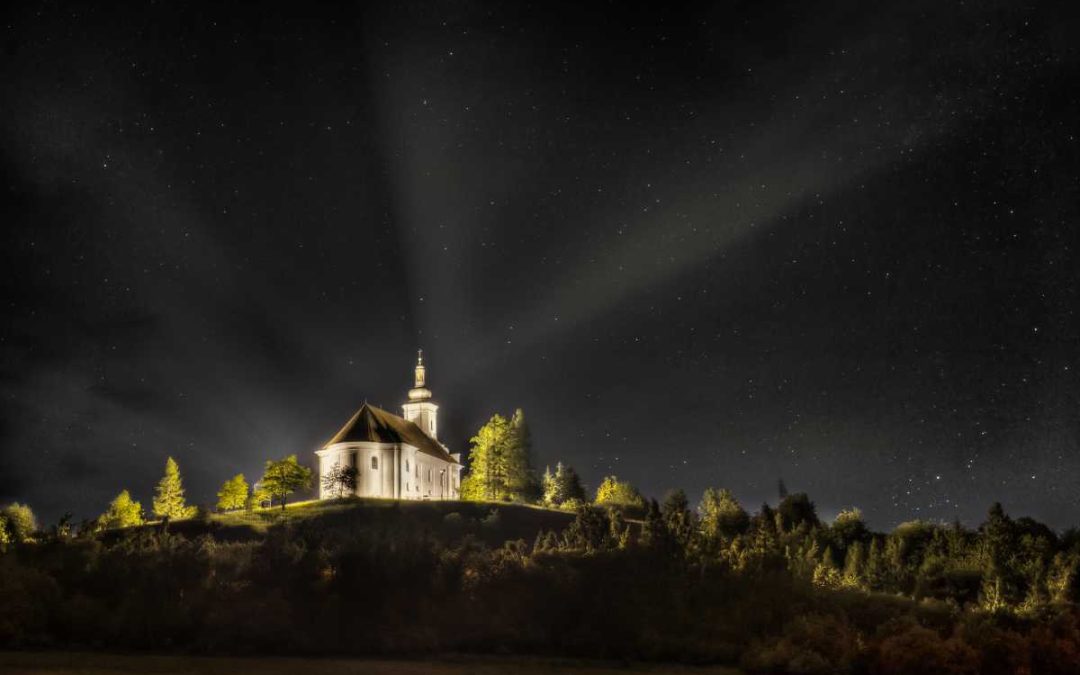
[{"x": 773, "y": 592}]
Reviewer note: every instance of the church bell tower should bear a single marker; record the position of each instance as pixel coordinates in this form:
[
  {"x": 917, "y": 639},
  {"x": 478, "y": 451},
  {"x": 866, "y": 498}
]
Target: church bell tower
[{"x": 419, "y": 409}]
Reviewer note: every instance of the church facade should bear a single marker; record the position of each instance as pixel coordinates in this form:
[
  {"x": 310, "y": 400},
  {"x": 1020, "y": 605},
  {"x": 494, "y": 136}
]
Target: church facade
[{"x": 394, "y": 457}]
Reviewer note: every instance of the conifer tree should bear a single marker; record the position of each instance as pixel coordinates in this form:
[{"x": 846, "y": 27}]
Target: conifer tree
[
  {"x": 613, "y": 492},
  {"x": 233, "y": 494},
  {"x": 169, "y": 500}
]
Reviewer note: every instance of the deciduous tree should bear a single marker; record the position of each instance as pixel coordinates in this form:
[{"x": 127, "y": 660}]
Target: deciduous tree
[
  {"x": 21, "y": 522},
  {"x": 233, "y": 494},
  {"x": 284, "y": 477},
  {"x": 123, "y": 512},
  {"x": 340, "y": 479}
]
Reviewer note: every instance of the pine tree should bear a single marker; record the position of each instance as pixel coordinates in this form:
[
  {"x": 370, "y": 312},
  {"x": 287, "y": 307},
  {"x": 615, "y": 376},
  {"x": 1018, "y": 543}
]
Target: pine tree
[
  {"x": 233, "y": 494},
  {"x": 521, "y": 482},
  {"x": 613, "y": 492},
  {"x": 487, "y": 461},
  {"x": 169, "y": 500}
]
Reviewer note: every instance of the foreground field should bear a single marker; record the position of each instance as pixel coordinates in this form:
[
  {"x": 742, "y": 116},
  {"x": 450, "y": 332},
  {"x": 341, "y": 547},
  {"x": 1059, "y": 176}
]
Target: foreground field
[{"x": 16, "y": 663}]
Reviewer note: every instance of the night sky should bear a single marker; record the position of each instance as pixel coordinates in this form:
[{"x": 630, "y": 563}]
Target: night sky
[{"x": 708, "y": 245}]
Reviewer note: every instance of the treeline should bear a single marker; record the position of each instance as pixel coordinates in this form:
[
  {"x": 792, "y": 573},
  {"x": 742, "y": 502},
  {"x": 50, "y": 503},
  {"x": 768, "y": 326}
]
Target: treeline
[{"x": 773, "y": 591}]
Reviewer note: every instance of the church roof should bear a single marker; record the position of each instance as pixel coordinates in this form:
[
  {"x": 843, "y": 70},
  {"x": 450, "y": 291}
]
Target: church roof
[{"x": 375, "y": 425}]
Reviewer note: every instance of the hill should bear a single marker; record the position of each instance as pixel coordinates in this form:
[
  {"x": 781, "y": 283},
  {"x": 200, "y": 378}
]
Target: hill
[{"x": 443, "y": 521}]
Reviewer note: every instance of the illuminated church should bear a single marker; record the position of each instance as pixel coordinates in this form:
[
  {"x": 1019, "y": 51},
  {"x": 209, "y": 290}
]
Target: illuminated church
[{"x": 395, "y": 457}]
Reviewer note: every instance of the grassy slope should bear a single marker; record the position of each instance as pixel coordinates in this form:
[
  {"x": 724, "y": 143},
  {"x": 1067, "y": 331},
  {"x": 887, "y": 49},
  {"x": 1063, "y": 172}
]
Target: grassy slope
[
  {"x": 446, "y": 520},
  {"x": 51, "y": 663}
]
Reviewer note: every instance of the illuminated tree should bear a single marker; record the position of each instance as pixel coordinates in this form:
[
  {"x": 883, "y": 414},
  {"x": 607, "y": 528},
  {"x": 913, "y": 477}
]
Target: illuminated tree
[
  {"x": 613, "y": 492},
  {"x": 5, "y": 537},
  {"x": 21, "y": 522},
  {"x": 721, "y": 514},
  {"x": 258, "y": 495},
  {"x": 284, "y": 477},
  {"x": 563, "y": 486},
  {"x": 123, "y": 512},
  {"x": 340, "y": 479},
  {"x": 169, "y": 500},
  {"x": 487, "y": 465},
  {"x": 233, "y": 494}
]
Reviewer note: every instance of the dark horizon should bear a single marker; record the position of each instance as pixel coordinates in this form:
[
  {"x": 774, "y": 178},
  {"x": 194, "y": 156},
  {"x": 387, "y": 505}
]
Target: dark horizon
[{"x": 700, "y": 246}]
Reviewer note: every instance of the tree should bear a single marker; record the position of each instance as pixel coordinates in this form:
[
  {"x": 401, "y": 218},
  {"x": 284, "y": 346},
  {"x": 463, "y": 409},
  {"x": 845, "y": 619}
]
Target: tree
[
  {"x": 721, "y": 514},
  {"x": 123, "y": 512},
  {"x": 563, "y": 486},
  {"x": 284, "y": 477},
  {"x": 487, "y": 478},
  {"x": 781, "y": 489},
  {"x": 521, "y": 481},
  {"x": 795, "y": 510},
  {"x": 340, "y": 479},
  {"x": 5, "y": 537},
  {"x": 258, "y": 495},
  {"x": 233, "y": 494},
  {"x": 169, "y": 500},
  {"x": 678, "y": 519},
  {"x": 613, "y": 492},
  {"x": 21, "y": 522}
]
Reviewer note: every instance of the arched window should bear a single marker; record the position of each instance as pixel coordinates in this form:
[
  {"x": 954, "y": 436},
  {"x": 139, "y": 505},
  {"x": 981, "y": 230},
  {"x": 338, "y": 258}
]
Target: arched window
[
  {"x": 406, "y": 466},
  {"x": 375, "y": 463}
]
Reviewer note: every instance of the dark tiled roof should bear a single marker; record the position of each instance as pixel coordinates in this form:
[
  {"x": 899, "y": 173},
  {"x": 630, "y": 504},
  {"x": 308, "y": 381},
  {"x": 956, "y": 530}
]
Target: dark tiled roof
[{"x": 371, "y": 424}]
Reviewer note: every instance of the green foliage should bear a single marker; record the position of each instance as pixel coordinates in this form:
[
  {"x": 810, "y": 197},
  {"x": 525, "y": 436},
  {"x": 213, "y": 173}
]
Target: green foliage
[
  {"x": 722, "y": 517},
  {"x": 259, "y": 496},
  {"x": 499, "y": 468},
  {"x": 21, "y": 524},
  {"x": 563, "y": 487},
  {"x": 765, "y": 598},
  {"x": 283, "y": 477},
  {"x": 123, "y": 512},
  {"x": 169, "y": 500},
  {"x": 233, "y": 494},
  {"x": 614, "y": 492}
]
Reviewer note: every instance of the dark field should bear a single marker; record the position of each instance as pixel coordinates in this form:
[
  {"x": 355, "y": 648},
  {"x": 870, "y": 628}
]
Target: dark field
[{"x": 107, "y": 664}]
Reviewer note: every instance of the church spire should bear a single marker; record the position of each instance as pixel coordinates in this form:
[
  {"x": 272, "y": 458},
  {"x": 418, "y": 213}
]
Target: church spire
[
  {"x": 420, "y": 392},
  {"x": 419, "y": 368}
]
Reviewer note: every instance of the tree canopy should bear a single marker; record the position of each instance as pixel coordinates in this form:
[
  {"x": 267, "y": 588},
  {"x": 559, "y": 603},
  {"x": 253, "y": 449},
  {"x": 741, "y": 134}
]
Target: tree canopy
[
  {"x": 20, "y": 521},
  {"x": 562, "y": 487},
  {"x": 123, "y": 512},
  {"x": 614, "y": 492},
  {"x": 233, "y": 494},
  {"x": 284, "y": 477},
  {"x": 499, "y": 463}
]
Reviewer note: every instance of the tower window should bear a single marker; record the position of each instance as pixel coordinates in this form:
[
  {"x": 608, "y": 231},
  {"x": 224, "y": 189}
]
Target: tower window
[
  {"x": 375, "y": 463},
  {"x": 406, "y": 466}
]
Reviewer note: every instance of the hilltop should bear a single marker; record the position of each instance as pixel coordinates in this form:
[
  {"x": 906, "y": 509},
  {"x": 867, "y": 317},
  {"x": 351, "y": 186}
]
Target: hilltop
[{"x": 444, "y": 521}]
